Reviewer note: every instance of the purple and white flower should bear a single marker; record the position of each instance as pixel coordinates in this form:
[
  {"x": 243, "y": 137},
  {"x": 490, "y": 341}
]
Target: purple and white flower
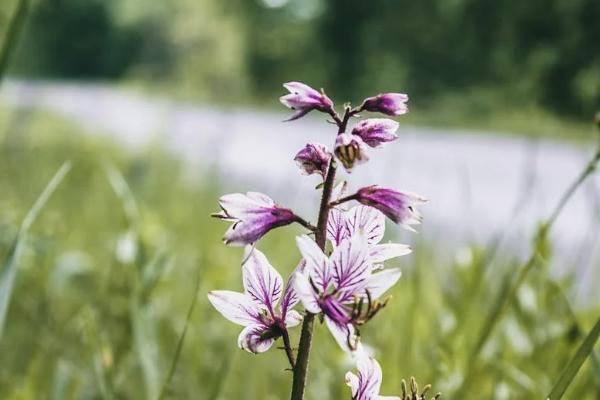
[
  {"x": 387, "y": 103},
  {"x": 313, "y": 158},
  {"x": 350, "y": 150},
  {"x": 397, "y": 206},
  {"x": 303, "y": 99},
  {"x": 256, "y": 308},
  {"x": 339, "y": 286},
  {"x": 253, "y": 215},
  {"x": 376, "y": 131},
  {"x": 366, "y": 385},
  {"x": 367, "y": 221}
]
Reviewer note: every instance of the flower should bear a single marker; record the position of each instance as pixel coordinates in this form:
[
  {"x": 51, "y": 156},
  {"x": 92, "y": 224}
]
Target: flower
[
  {"x": 303, "y": 99},
  {"x": 366, "y": 385},
  {"x": 368, "y": 222},
  {"x": 387, "y": 103},
  {"x": 350, "y": 150},
  {"x": 313, "y": 158},
  {"x": 255, "y": 309},
  {"x": 339, "y": 286},
  {"x": 253, "y": 214},
  {"x": 397, "y": 206},
  {"x": 376, "y": 131}
]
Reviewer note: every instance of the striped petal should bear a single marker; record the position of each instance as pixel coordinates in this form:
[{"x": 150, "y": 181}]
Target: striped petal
[
  {"x": 350, "y": 264},
  {"x": 236, "y": 307},
  {"x": 367, "y": 220},
  {"x": 262, "y": 282}
]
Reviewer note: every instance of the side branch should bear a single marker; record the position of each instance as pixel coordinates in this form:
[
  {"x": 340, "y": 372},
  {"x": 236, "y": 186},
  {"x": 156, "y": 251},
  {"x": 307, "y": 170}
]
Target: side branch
[{"x": 305, "y": 223}]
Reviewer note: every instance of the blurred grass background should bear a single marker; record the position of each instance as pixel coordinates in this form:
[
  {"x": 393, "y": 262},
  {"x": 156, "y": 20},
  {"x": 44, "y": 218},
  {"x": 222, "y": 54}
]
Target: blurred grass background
[{"x": 108, "y": 270}]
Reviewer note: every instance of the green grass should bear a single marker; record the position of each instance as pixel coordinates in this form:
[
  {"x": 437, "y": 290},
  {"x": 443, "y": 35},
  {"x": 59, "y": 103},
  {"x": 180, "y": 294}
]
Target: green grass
[{"x": 108, "y": 273}]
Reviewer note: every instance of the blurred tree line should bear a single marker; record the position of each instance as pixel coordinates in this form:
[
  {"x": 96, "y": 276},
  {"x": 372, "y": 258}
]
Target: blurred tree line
[{"x": 544, "y": 52}]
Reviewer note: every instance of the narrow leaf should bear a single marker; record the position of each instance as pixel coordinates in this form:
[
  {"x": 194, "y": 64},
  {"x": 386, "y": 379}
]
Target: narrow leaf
[
  {"x": 180, "y": 341},
  {"x": 575, "y": 363},
  {"x": 9, "y": 268}
]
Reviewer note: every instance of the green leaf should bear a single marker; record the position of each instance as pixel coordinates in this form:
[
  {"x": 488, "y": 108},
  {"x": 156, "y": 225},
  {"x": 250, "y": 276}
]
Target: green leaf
[
  {"x": 180, "y": 341},
  {"x": 13, "y": 32},
  {"x": 575, "y": 363},
  {"x": 9, "y": 269}
]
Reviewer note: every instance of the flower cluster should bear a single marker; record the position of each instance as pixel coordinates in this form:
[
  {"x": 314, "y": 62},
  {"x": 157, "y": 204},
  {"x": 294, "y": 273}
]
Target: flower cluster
[{"x": 344, "y": 286}]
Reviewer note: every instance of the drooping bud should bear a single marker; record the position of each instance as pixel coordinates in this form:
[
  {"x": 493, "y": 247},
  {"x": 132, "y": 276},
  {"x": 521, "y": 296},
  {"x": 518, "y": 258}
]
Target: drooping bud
[
  {"x": 397, "y": 206},
  {"x": 303, "y": 99},
  {"x": 387, "y": 103},
  {"x": 350, "y": 150},
  {"x": 314, "y": 158},
  {"x": 376, "y": 131},
  {"x": 253, "y": 215}
]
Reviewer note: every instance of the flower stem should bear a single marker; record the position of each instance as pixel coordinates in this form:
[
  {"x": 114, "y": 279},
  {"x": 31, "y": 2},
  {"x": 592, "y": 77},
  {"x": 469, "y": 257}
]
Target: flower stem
[
  {"x": 343, "y": 200},
  {"x": 288, "y": 348},
  {"x": 301, "y": 367}
]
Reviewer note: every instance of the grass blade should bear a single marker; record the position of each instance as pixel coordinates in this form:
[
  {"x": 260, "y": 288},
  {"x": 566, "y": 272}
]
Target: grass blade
[
  {"x": 13, "y": 32},
  {"x": 9, "y": 269},
  {"x": 180, "y": 341},
  {"x": 568, "y": 374}
]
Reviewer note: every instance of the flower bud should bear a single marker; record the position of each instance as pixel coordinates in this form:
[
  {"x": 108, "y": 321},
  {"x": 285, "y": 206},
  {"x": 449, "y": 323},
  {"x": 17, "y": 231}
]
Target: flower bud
[
  {"x": 314, "y": 158},
  {"x": 350, "y": 150},
  {"x": 397, "y": 206},
  {"x": 253, "y": 215},
  {"x": 376, "y": 131},
  {"x": 387, "y": 103},
  {"x": 303, "y": 99}
]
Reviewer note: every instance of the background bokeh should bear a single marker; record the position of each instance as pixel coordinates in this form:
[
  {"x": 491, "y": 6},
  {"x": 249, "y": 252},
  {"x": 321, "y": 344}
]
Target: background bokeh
[{"x": 160, "y": 107}]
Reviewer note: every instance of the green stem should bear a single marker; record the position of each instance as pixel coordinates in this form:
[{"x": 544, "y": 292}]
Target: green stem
[
  {"x": 301, "y": 367},
  {"x": 304, "y": 346},
  {"x": 12, "y": 35},
  {"x": 508, "y": 293}
]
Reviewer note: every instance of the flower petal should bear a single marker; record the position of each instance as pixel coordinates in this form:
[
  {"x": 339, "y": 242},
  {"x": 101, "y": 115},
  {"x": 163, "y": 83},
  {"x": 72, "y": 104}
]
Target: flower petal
[
  {"x": 352, "y": 381},
  {"x": 290, "y": 298},
  {"x": 350, "y": 264},
  {"x": 301, "y": 89},
  {"x": 380, "y": 282},
  {"x": 262, "y": 282},
  {"x": 317, "y": 264},
  {"x": 292, "y": 318},
  {"x": 344, "y": 334},
  {"x": 337, "y": 226},
  {"x": 383, "y": 252},
  {"x": 236, "y": 307},
  {"x": 369, "y": 378},
  {"x": 237, "y": 205},
  {"x": 368, "y": 220},
  {"x": 306, "y": 293},
  {"x": 251, "y": 339}
]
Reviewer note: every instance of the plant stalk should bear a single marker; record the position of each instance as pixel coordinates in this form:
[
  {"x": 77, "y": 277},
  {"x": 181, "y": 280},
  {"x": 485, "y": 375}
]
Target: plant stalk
[{"x": 304, "y": 346}]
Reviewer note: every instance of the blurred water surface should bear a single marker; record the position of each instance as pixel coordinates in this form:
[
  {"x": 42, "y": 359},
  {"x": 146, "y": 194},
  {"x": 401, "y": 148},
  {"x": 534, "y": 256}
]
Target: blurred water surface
[{"x": 480, "y": 184}]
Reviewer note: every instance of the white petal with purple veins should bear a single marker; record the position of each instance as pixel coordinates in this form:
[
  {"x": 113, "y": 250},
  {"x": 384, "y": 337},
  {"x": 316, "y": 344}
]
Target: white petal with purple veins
[
  {"x": 337, "y": 226},
  {"x": 368, "y": 220},
  {"x": 237, "y": 204},
  {"x": 344, "y": 335},
  {"x": 317, "y": 264},
  {"x": 292, "y": 318},
  {"x": 251, "y": 341},
  {"x": 379, "y": 283},
  {"x": 306, "y": 293},
  {"x": 350, "y": 264},
  {"x": 236, "y": 307},
  {"x": 383, "y": 252},
  {"x": 369, "y": 376},
  {"x": 262, "y": 282}
]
